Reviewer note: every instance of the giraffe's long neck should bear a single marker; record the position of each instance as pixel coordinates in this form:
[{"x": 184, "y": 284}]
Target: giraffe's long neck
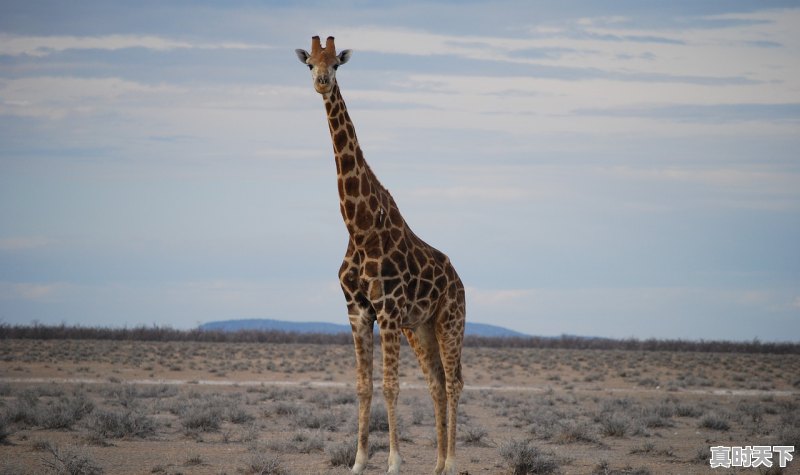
[{"x": 365, "y": 204}]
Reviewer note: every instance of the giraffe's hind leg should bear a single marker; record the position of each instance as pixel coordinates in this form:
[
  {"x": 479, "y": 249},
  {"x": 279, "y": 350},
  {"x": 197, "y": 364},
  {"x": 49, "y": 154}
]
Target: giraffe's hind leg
[{"x": 423, "y": 341}]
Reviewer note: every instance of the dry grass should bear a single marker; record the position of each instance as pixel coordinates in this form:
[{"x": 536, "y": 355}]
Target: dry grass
[{"x": 195, "y": 407}]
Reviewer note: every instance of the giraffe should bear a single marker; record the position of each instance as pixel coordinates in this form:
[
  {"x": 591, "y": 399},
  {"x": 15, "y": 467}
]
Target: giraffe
[{"x": 392, "y": 277}]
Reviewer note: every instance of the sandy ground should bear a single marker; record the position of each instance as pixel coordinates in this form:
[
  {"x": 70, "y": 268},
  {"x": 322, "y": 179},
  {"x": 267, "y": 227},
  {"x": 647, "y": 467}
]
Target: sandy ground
[{"x": 251, "y": 408}]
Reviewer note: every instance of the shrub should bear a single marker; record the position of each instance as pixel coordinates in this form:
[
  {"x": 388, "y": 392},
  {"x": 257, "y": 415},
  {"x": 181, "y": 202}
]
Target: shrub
[
  {"x": 25, "y": 409},
  {"x": 325, "y": 420},
  {"x": 238, "y": 415},
  {"x": 71, "y": 461},
  {"x": 378, "y": 418},
  {"x": 301, "y": 442},
  {"x": 263, "y": 464},
  {"x": 702, "y": 456},
  {"x": 418, "y": 415},
  {"x": 714, "y": 422},
  {"x": 575, "y": 432},
  {"x": 204, "y": 418},
  {"x": 543, "y": 422},
  {"x": 603, "y": 468},
  {"x": 646, "y": 448},
  {"x": 5, "y": 430},
  {"x": 66, "y": 412},
  {"x": 685, "y": 410},
  {"x": 614, "y": 425},
  {"x": 121, "y": 424},
  {"x": 523, "y": 458},
  {"x": 473, "y": 435},
  {"x": 285, "y": 408},
  {"x": 194, "y": 460},
  {"x": 789, "y": 430},
  {"x": 342, "y": 454}
]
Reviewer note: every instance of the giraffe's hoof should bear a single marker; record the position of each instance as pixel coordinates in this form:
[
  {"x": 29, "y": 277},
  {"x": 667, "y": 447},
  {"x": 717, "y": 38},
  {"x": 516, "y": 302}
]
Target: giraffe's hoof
[
  {"x": 358, "y": 469},
  {"x": 394, "y": 464},
  {"x": 449, "y": 467}
]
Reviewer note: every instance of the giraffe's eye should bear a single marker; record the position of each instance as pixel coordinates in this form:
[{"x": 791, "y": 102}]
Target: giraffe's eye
[
  {"x": 310, "y": 67},
  {"x": 335, "y": 67}
]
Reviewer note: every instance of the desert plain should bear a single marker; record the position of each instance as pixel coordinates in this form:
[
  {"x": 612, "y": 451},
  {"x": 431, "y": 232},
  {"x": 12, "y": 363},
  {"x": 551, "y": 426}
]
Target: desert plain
[{"x": 183, "y": 407}]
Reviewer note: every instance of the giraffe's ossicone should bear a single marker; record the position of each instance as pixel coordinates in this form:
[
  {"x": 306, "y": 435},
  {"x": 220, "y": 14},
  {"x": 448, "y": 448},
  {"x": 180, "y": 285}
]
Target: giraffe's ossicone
[{"x": 390, "y": 276}]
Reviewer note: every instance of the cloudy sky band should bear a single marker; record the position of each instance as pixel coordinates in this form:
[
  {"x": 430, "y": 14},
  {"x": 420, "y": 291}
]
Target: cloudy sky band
[{"x": 612, "y": 167}]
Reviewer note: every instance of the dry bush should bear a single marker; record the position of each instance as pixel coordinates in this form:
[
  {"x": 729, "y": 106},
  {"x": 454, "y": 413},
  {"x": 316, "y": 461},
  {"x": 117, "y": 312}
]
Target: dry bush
[
  {"x": 614, "y": 425},
  {"x": 70, "y": 461},
  {"x": 193, "y": 461},
  {"x": 789, "y": 429},
  {"x": 302, "y": 442},
  {"x": 572, "y": 432},
  {"x": 523, "y": 458},
  {"x": 315, "y": 419},
  {"x": 65, "y": 412},
  {"x": 25, "y": 409},
  {"x": 652, "y": 418},
  {"x": 603, "y": 468},
  {"x": 199, "y": 412},
  {"x": 201, "y": 417},
  {"x": 715, "y": 422},
  {"x": 342, "y": 454},
  {"x": 130, "y": 422},
  {"x": 286, "y": 408},
  {"x": 264, "y": 464},
  {"x": 473, "y": 434},
  {"x": 238, "y": 415},
  {"x": 544, "y": 423},
  {"x": 5, "y": 430},
  {"x": 686, "y": 410}
]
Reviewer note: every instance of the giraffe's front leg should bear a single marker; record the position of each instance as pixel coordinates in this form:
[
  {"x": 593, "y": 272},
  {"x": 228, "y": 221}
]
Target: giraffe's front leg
[
  {"x": 390, "y": 347},
  {"x": 362, "y": 327}
]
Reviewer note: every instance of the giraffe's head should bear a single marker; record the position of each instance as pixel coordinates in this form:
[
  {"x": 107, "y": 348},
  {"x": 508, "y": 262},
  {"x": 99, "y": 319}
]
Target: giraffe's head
[{"x": 323, "y": 63}]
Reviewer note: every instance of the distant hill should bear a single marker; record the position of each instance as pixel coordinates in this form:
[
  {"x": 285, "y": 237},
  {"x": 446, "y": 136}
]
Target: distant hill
[{"x": 476, "y": 329}]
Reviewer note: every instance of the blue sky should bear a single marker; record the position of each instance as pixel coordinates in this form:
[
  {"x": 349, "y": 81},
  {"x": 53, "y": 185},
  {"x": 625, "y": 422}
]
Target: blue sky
[{"x": 621, "y": 169}]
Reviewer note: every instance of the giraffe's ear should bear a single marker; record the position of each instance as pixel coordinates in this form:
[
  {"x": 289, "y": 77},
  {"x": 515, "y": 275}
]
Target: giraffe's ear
[
  {"x": 302, "y": 55},
  {"x": 344, "y": 56}
]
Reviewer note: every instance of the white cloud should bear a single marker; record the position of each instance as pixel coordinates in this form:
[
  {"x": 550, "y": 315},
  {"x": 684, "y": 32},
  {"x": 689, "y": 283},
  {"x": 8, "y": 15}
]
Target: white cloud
[
  {"x": 55, "y": 97},
  {"x": 15, "y": 45},
  {"x": 731, "y": 177},
  {"x": 496, "y": 193},
  {"x": 23, "y": 243},
  {"x": 597, "y": 63},
  {"x": 609, "y": 44},
  {"x": 493, "y": 297},
  {"x": 742, "y": 187},
  {"x": 664, "y": 312},
  {"x": 28, "y": 291}
]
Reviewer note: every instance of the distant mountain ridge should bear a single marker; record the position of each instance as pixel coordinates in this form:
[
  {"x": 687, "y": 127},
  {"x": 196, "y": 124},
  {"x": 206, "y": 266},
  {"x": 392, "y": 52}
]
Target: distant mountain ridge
[{"x": 476, "y": 329}]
